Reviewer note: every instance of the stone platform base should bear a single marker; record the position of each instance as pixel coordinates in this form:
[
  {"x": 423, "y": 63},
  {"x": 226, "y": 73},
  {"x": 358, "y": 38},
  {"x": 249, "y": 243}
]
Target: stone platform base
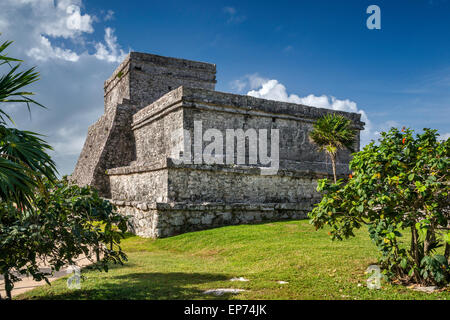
[{"x": 159, "y": 220}]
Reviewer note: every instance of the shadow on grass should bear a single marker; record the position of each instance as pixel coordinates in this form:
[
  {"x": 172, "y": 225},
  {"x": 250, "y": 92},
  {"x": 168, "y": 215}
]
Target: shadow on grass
[{"x": 153, "y": 286}]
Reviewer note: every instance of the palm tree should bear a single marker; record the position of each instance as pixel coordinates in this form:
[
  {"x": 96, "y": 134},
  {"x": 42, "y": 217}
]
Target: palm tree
[
  {"x": 332, "y": 133},
  {"x": 24, "y": 164},
  {"x": 23, "y": 154}
]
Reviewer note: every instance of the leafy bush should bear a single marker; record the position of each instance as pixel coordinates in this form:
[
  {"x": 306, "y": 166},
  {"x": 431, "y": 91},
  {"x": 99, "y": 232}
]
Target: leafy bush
[
  {"x": 41, "y": 219},
  {"x": 400, "y": 184},
  {"x": 67, "y": 221}
]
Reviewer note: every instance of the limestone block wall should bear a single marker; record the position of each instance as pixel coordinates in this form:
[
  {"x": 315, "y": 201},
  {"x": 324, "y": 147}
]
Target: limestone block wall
[
  {"x": 182, "y": 183},
  {"x": 295, "y": 149},
  {"x": 238, "y": 185},
  {"x": 138, "y": 81},
  {"x": 159, "y": 220},
  {"x": 148, "y": 186},
  {"x": 227, "y": 111},
  {"x": 143, "y": 78},
  {"x": 166, "y": 199},
  {"x": 156, "y": 139},
  {"x": 109, "y": 143},
  {"x": 157, "y": 127}
]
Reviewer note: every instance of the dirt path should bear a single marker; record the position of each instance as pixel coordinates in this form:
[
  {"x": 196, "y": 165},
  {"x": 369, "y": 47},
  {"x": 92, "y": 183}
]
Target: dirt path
[{"x": 28, "y": 283}]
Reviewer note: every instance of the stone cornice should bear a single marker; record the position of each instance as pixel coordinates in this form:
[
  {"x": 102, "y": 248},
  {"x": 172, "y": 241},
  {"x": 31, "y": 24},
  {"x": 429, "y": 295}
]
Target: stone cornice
[
  {"x": 184, "y": 206},
  {"x": 184, "y": 97},
  {"x": 167, "y": 163}
]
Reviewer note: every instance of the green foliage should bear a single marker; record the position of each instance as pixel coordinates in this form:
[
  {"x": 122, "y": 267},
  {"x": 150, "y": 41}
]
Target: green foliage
[
  {"x": 23, "y": 154},
  {"x": 11, "y": 83},
  {"x": 402, "y": 183},
  {"x": 42, "y": 220},
  {"x": 331, "y": 133},
  {"x": 23, "y": 163},
  {"x": 67, "y": 221}
]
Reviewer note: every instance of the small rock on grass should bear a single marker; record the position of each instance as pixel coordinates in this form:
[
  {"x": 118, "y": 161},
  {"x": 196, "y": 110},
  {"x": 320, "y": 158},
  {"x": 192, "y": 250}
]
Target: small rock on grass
[
  {"x": 430, "y": 289},
  {"x": 239, "y": 279},
  {"x": 219, "y": 292}
]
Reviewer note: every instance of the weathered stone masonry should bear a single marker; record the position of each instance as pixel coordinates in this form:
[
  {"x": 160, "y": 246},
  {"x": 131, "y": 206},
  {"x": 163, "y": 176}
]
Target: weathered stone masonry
[{"x": 128, "y": 152}]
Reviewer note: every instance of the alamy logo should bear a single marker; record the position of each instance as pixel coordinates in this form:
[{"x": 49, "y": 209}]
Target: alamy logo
[
  {"x": 74, "y": 281},
  {"x": 374, "y": 280},
  {"x": 188, "y": 150},
  {"x": 374, "y": 20}
]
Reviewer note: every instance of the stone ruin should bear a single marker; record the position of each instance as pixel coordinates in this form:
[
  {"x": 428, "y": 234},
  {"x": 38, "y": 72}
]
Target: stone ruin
[{"x": 131, "y": 154}]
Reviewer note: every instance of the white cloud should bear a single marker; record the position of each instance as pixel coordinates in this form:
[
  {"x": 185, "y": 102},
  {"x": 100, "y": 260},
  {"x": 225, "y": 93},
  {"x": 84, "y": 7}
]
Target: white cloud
[
  {"x": 62, "y": 18},
  {"x": 109, "y": 15},
  {"x": 45, "y": 51},
  {"x": 230, "y": 10},
  {"x": 78, "y": 22},
  {"x": 233, "y": 16},
  {"x": 111, "y": 51},
  {"x": 62, "y": 148},
  {"x": 3, "y": 24},
  {"x": 39, "y": 22},
  {"x": 238, "y": 85},
  {"x": 288, "y": 49},
  {"x": 57, "y": 36},
  {"x": 386, "y": 126},
  {"x": 273, "y": 90},
  {"x": 444, "y": 136},
  {"x": 251, "y": 81}
]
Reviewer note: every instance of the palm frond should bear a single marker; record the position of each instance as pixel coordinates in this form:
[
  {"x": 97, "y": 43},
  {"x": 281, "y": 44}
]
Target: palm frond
[
  {"x": 27, "y": 149},
  {"x": 333, "y": 130},
  {"x": 24, "y": 161},
  {"x": 16, "y": 183},
  {"x": 332, "y": 133},
  {"x": 11, "y": 83},
  {"x": 3, "y": 57}
]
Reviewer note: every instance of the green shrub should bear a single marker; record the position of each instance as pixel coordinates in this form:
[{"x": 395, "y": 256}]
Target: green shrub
[
  {"x": 66, "y": 221},
  {"x": 42, "y": 219},
  {"x": 400, "y": 184}
]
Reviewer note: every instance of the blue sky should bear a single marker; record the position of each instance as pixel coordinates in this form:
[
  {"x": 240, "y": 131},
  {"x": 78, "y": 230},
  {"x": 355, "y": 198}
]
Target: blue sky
[{"x": 399, "y": 75}]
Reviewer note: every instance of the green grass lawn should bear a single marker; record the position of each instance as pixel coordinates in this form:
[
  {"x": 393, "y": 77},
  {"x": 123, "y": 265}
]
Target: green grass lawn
[{"x": 184, "y": 266}]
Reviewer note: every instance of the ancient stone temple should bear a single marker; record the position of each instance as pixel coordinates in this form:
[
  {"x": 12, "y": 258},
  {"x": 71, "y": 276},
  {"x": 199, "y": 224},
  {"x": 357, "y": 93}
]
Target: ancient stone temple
[{"x": 148, "y": 153}]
